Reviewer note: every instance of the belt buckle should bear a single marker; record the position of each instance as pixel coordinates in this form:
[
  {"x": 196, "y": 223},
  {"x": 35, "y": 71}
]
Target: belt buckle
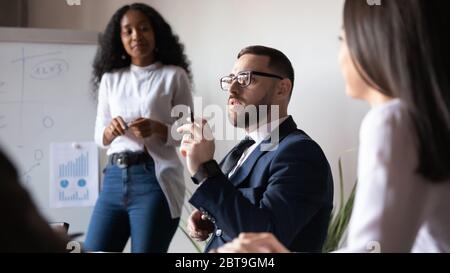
[{"x": 122, "y": 161}]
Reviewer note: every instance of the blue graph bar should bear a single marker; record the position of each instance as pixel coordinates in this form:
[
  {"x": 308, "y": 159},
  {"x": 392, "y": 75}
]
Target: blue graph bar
[
  {"x": 74, "y": 196},
  {"x": 76, "y": 168}
]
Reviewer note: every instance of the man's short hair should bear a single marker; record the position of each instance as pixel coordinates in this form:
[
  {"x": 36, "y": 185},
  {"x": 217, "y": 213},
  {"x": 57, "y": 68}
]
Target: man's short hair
[{"x": 278, "y": 62}]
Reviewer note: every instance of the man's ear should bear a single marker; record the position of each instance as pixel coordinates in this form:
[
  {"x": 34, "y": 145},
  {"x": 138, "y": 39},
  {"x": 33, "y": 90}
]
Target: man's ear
[{"x": 284, "y": 88}]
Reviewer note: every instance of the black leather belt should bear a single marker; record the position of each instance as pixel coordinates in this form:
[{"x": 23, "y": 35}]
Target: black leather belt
[{"x": 126, "y": 159}]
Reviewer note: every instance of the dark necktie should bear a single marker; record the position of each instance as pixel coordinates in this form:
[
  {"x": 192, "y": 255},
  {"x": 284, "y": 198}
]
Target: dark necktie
[{"x": 233, "y": 157}]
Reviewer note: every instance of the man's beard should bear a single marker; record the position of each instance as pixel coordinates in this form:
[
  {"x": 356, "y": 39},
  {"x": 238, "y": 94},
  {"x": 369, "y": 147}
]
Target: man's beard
[{"x": 250, "y": 116}]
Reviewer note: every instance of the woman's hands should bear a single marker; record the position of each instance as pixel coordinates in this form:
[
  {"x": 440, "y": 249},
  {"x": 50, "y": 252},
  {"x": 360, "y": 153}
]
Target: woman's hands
[
  {"x": 115, "y": 128},
  {"x": 145, "y": 127},
  {"x": 140, "y": 128}
]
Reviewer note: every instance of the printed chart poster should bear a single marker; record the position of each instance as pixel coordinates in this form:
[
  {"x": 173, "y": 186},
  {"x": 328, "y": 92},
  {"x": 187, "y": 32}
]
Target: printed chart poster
[{"x": 73, "y": 174}]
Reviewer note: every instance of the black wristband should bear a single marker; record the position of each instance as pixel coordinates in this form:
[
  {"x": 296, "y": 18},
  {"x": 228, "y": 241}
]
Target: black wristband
[{"x": 206, "y": 170}]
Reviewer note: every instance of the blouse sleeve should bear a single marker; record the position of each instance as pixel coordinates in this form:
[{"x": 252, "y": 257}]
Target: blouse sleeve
[
  {"x": 181, "y": 103},
  {"x": 103, "y": 112},
  {"x": 390, "y": 200}
]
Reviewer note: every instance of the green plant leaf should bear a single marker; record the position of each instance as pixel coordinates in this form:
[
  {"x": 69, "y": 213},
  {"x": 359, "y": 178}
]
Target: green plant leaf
[{"x": 339, "y": 218}]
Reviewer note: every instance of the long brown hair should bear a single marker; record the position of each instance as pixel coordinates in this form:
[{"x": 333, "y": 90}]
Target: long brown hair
[{"x": 402, "y": 49}]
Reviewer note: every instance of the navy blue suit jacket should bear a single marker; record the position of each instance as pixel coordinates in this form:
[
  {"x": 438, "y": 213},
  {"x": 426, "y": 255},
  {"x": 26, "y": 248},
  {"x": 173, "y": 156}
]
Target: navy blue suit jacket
[{"x": 287, "y": 191}]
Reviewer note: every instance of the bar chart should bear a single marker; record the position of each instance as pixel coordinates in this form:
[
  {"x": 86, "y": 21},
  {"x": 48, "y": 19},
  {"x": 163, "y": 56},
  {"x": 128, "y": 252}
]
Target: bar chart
[
  {"x": 75, "y": 174},
  {"x": 73, "y": 179},
  {"x": 75, "y": 196},
  {"x": 78, "y": 167}
]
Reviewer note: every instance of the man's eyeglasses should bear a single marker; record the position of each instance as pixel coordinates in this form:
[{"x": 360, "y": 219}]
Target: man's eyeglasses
[{"x": 244, "y": 79}]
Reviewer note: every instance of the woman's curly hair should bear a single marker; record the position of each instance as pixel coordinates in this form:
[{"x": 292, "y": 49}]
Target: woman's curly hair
[{"x": 111, "y": 54}]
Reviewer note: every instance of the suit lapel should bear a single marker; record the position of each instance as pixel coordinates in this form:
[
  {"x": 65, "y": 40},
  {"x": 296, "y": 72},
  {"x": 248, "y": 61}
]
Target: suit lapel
[{"x": 285, "y": 128}]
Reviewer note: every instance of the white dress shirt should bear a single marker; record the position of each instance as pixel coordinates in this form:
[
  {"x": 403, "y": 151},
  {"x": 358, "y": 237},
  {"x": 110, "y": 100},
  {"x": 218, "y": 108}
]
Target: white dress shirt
[
  {"x": 395, "y": 209},
  {"x": 258, "y": 135},
  {"x": 149, "y": 92}
]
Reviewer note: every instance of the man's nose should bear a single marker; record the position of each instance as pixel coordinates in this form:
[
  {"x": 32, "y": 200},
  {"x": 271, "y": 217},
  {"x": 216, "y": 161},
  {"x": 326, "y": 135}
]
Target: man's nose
[{"x": 234, "y": 86}]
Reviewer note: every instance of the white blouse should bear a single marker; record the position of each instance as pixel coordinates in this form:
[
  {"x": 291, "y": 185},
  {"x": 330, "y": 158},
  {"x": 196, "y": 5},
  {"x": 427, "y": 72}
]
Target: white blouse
[
  {"x": 395, "y": 209},
  {"x": 149, "y": 92}
]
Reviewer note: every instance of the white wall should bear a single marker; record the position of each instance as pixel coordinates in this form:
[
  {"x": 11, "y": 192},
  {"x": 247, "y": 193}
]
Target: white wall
[
  {"x": 214, "y": 31},
  {"x": 306, "y": 31}
]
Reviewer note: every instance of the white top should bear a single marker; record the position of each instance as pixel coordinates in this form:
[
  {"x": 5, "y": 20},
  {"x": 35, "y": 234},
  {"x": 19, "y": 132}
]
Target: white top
[
  {"x": 395, "y": 209},
  {"x": 149, "y": 92},
  {"x": 258, "y": 135}
]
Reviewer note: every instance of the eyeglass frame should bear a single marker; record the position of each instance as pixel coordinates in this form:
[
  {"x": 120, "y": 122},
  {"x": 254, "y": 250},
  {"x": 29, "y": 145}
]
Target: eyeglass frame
[{"x": 256, "y": 73}]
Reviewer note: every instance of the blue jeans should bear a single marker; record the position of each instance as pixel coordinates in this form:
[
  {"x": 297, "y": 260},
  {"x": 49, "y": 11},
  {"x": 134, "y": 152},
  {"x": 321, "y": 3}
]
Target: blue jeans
[{"x": 131, "y": 202}]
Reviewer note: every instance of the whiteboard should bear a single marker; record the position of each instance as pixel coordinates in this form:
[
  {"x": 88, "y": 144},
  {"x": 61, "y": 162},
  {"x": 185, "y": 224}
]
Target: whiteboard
[{"x": 45, "y": 97}]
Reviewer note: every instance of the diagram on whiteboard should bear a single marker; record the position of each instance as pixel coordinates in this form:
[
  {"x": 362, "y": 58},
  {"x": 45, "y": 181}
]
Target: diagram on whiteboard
[
  {"x": 17, "y": 100},
  {"x": 73, "y": 174},
  {"x": 45, "y": 97}
]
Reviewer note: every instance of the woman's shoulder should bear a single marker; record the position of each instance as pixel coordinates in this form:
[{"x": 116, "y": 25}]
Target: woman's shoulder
[
  {"x": 386, "y": 115},
  {"x": 114, "y": 77},
  {"x": 117, "y": 73},
  {"x": 173, "y": 71},
  {"x": 387, "y": 121}
]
